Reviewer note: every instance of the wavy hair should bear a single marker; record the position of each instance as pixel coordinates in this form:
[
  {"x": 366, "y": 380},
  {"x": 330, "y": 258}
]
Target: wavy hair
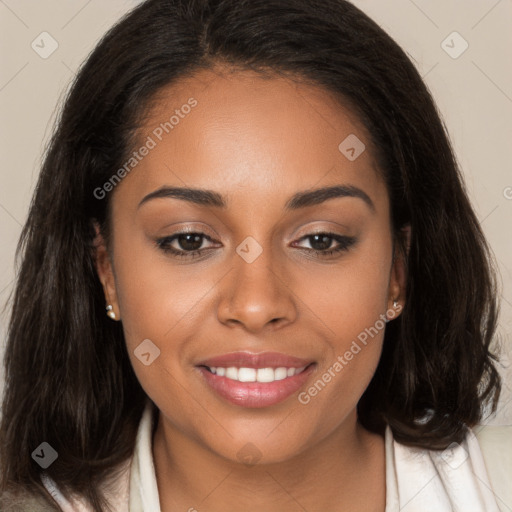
[{"x": 69, "y": 380}]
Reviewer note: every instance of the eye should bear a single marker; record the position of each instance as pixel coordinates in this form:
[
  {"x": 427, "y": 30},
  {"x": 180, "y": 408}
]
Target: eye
[
  {"x": 189, "y": 244},
  {"x": 322, "y": 243}
]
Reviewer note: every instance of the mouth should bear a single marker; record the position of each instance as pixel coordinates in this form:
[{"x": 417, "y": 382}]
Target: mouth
[
  {"x": 255, "y": 380},
  {"x": 262, "y": 375}
]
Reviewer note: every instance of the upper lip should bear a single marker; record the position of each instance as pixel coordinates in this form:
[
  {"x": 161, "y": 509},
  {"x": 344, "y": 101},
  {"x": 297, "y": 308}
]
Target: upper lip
[{"x": 251, "y": 360}]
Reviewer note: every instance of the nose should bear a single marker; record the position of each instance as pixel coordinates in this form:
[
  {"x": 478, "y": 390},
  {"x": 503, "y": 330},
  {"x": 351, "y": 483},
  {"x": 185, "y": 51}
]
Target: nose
[{"x": 257, "y": 295}]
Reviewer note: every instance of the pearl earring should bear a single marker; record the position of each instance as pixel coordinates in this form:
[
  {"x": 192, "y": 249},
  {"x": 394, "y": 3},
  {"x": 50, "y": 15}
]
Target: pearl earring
[
  {"x": 395, "y": 303},
  {"x": 110, "y": 312}
]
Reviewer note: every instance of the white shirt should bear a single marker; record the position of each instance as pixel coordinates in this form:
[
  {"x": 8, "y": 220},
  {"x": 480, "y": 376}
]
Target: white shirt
[{"x": 417, "y": 480}]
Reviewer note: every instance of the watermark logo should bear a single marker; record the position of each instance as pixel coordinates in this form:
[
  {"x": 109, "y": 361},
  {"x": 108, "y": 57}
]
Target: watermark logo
[
  {"x": 454, "y": 45},
  {"x": 455, "y": 455},
  {"x": 351, "y": 147},
  {"x": 146, "y": 352},
  {"x": 44, "y": 45},
  {"x": 45, "y": 455},
  {"x": 249, "y": 454},
  {"x": 249, "y": 249}
]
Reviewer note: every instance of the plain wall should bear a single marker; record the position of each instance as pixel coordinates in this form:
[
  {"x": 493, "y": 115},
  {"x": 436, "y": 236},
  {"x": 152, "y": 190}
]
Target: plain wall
[{"x": 473, "y": 92}]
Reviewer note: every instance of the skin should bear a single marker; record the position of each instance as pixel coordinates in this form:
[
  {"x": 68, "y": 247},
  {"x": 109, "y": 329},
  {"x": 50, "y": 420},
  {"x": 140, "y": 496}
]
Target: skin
[{"x": 257, "y": 142}]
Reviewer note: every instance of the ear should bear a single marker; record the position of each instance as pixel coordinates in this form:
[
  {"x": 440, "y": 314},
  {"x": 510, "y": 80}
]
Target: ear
[
  {"x": 105, "y": 271},
  {"x": 398, "y": 277}
]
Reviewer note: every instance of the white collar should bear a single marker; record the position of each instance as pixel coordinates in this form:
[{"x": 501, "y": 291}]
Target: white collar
[
  {"x": 143, "y": 486},
  {"x": 453, "y": 480},
  {"x": 417, "y": 480}
]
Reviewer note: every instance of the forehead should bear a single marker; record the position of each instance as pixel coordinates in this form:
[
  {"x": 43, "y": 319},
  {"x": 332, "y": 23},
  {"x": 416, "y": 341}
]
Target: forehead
[{"x": 269, "y": 136}]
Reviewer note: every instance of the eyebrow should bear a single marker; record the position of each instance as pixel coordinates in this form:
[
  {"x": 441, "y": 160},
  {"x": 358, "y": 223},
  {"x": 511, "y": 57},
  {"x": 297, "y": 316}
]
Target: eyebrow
[{"x": 203, "y": 197}]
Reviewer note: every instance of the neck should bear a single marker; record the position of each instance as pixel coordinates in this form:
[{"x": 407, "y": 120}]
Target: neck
[{"x": 347, "y": 467}]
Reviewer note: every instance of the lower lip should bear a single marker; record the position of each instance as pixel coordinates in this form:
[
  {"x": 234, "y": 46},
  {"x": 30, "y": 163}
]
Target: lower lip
[{"x": 256, "y": 394}]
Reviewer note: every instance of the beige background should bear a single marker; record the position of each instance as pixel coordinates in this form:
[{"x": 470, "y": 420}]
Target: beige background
[{"x": 473, "y": 92}]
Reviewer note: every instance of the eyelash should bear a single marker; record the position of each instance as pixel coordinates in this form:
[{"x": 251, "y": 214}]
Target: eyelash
[{"x": 345, "y": 242}]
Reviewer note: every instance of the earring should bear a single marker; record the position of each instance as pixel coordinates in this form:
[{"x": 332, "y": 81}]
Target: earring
[
  {"x": 395, "y": 303},
  {"x": 110, "y": 312}
]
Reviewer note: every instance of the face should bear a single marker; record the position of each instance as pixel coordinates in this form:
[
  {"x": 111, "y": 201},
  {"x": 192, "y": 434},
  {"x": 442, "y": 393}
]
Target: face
[{"x": 259, "y": 273}]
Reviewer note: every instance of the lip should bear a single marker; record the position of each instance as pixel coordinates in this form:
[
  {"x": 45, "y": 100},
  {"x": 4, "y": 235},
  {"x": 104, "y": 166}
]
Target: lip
[
  {"x": 255, "y": 394},
  {"x": 251, "y": 360}
]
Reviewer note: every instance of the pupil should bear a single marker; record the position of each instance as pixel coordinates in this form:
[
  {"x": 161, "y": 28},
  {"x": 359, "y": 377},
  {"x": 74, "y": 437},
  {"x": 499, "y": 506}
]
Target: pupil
[
  {"x": 190, "y": 242},
  {"x": 325, "y": 242}
]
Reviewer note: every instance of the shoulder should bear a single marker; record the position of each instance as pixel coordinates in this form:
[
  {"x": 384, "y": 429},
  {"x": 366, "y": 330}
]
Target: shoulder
[
  {"x": 115, "y": 489},
  {"x": 495, "y": 441},
  {"x": 496, "y": 446},
  {"x": 10, "y": 502},
  {"x": 457, "y": 478}
]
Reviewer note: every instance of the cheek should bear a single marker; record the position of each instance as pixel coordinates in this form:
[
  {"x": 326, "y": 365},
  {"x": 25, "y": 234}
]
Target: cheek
[
  {"x": 149, "y": 308},
  {"x": 352, "y": 303},
  {"x": 153, "y": 294},
  {"x": 351, "y": 295}
]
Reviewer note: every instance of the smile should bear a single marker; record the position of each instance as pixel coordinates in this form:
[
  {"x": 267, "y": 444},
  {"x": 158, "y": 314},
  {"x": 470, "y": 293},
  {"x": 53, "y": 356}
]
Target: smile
[
  {"x": 255, "y": 374},
  {"x": 262, "y": 383}
]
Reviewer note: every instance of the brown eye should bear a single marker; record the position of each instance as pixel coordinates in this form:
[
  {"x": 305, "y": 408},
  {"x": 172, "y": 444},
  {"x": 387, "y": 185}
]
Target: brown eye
[
  {"x": 185, "y": 245},
  {"x": 189, "y": 244},
  {"x": 190, "y": 241},
  {"x": 321, "y": 243}
]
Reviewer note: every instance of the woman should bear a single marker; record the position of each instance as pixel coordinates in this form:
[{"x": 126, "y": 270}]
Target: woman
[{"x": 244, "y": 282}]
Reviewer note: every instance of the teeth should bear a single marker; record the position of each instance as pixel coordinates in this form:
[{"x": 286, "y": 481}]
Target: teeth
[
  {"x": 265, "y": 375},
  {"x": 255, "y": 374},
  {"x": 232, "y": 373},
  {"x": 280, "y": 373},
  {"x": 247, "y": 375}
]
